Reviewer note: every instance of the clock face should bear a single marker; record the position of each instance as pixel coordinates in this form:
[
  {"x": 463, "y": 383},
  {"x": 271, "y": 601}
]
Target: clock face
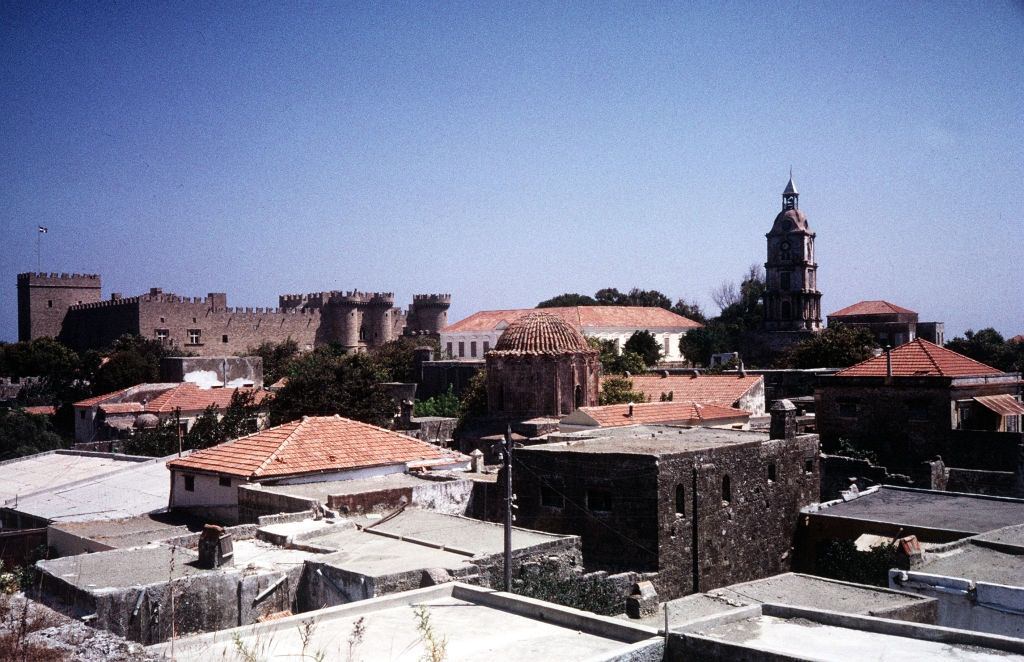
[{"x": 784, "y": 245}]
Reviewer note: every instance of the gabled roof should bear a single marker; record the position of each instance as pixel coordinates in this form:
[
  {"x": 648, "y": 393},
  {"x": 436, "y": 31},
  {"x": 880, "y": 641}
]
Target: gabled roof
[
  {"x": 583, "y": 318},
  {"x": 920, "y": 358},
  {"x": 648, "y": 413},
  {"x": 314, "y": 444},
  {"x": 878, "y": 307},
  {"x": 186, "y": 395},
  {"x": 705, "y": 389}
]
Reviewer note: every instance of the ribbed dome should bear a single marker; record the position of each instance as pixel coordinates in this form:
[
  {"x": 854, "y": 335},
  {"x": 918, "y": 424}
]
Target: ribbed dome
[
  {"x": 790, "y": 220},
  {"x": 541, "y": 333}
]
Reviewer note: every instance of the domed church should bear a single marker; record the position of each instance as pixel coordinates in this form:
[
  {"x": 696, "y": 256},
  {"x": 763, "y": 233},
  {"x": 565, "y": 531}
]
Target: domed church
[{"x": 541, "y": 366}]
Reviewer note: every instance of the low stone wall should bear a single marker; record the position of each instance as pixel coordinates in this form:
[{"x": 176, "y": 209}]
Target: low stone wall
[
  {"x": 836, "y": 471},
  {"x": 977, "y": 481},
  {"x": 255, "y": 502}
]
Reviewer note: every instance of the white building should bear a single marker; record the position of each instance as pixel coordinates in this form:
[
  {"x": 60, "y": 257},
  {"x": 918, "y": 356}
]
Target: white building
[{"x": 471, "y": 338}]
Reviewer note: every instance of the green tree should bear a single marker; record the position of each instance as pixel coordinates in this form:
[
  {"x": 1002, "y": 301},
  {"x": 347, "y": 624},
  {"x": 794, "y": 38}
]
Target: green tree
[
  {"x": 25, "y": 434},
  {"x": 276, "y": 357},
  {"x": 838, "y": 346},
  {"x": 567, "y": 300},
  {"x": 239, "y": 418},
  {"x": 742, "y": 312},
  {"x": 619, "y": 391},
  {"x": 988, "y": 346},
  {"x": 691, "y": 311},
  {"x": 646, "y": 345},
  {"x": 473, "y": 403},
  {"x": 396, "y": 358},
  {"x": 160, "y": 441},
  {"x": 613, "y": 363},
  {"x": 132, "y": 360},
  {"x": 326, "y": 381},
  {"x": 443, "y": 404}
]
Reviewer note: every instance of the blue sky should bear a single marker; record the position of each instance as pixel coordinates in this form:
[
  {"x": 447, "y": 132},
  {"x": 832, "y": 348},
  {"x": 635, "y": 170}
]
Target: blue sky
[{"x": 508, "y": 152}]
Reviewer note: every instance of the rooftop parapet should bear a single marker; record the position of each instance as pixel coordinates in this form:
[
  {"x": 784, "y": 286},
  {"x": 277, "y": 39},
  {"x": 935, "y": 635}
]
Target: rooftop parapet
[
  {"x": 90, "y": 280},
  {"x": 360, "y": 298},
  {"x": 432, "y": 299}
]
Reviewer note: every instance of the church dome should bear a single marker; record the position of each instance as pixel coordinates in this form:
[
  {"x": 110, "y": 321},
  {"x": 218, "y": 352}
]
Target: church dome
[
  {"x": 541, "y": 333},
  {"x": 790, "y": 220}
]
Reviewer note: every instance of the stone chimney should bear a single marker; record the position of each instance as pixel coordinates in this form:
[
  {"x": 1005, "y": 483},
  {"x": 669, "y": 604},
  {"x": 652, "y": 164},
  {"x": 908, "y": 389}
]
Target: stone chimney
[
  {"x": 888, "y": 364},
  {"x": 783, "y": 425},
  {"x": 476, "y": 461}
]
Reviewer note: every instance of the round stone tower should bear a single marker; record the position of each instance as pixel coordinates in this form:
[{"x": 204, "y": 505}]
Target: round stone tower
[
  {"x": 429, "y": 313},
  {"x": 378, "y": 319},
  {"x": 541, "y": 366}
]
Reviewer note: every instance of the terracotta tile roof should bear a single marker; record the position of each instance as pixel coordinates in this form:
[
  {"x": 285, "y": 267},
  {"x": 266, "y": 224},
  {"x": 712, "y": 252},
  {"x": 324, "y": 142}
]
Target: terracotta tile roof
[
  {"x": 186, "y": 395},
  {"x": 315, "y": 444},
  {"x": 122, "y": 408},
  {"x": 647, "y": 413},
  {"x": 872, "y": 308},
  {"x": 717, "y": 389},
  {"x": 542, "y": 333},
  {"x": 190, "y": 397},
  {"x": 41, "y": 410},
  {"x": 1016, "y": 339},
  {"x": 584, "y": 318},
  {"x": 920, "y": 358}
]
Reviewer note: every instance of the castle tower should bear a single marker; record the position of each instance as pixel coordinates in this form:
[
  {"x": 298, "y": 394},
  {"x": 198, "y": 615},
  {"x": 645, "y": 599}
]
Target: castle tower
[
  {"x": 792, "y": 301},
  {"x": 378, "y": 319},
  {"x": 44, "y": 299},
  {"x": 428, "y": 313}
]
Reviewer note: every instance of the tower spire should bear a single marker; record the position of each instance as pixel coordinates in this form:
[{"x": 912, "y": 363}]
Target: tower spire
[{"x": 790, "y": 196}]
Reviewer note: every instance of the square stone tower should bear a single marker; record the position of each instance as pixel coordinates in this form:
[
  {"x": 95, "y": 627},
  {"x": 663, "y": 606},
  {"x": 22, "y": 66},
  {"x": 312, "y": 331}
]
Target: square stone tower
[{"x": 44, "y": 299}]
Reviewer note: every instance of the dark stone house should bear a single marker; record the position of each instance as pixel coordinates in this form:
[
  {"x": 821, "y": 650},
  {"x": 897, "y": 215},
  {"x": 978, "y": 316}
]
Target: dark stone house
[
  {"x": 702, "y": 508},
  {"x": 888, "y": 323},
  {"x": 922, "y": 400}
]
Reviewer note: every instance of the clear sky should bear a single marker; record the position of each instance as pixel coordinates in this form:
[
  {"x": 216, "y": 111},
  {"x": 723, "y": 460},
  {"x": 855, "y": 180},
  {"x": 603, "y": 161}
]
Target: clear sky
[{"x": 508, "y": 152}]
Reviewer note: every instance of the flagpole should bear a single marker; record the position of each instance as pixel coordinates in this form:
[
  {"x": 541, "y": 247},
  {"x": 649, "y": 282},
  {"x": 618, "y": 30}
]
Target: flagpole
[{"x": 38, "y": 238}]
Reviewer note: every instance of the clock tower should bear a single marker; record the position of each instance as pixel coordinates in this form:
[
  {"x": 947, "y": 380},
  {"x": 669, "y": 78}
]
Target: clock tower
[{"x": 792, "y": 302}]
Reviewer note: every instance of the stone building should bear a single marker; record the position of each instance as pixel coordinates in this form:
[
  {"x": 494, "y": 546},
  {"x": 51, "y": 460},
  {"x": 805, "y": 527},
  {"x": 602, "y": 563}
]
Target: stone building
[
  {"x": 471, "y": 338},
  {"x": 792, "y": 302},
  {"x": 69, "y": 308},
  {"x": 541, "y": 366},
  {"x": 920, "y": 400},
  {"x": 889, "y": 323},
  {"x": 702, "y": 508}
]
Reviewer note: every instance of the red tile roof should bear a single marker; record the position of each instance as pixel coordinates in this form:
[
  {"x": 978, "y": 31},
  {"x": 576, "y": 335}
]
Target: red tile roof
[
  {"x": 1016, "y": 339},
  {"x": 542, "y": 333},
  {"x": 717, "y": 389},
  {"x": 872, "y": 308},
  {"x": 582, "y": 317},
  {"x": 315, "y": 444},
  {"x": 920, "y": 358},
  {"x": 41, "y": 410},
  {"x": 186, "y": 395},
  {"x": 122, "y": 408},
  {"x": 647, "y": 413}
]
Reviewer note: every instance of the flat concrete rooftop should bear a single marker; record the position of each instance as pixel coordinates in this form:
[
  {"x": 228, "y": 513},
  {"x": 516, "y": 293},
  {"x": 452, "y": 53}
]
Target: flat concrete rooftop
[
  {"x": 790, "y": 589},
  {"x": 1011, "y": 536},
  {"x": 320, "y": 491},
  {"x": 477, "y": 625},
  {"x": 123, "y": 489},
  {"x": 121, "y": 568},
  {"x": 27, "y": 475},
  {"x": 377, "y": 556},
  {"x": 946, "y": 511},
  {"x": 648, "y": 440},
  {"x": 805, "y": 639},
  {"x": 133, "y": 531},
  {"x": 976, "y": 563}
]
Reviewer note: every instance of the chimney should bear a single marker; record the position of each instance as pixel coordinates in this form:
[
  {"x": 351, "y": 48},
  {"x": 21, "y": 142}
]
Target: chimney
[
  {"x": 743, "y": 370},
  {"x": 888, "y": 364},
  {"x": 783, "y": 425},
  {"x": 630, "y": 414}
]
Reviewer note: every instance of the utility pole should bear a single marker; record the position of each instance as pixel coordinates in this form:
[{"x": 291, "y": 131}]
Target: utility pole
[{"x": 508, "y": 508}]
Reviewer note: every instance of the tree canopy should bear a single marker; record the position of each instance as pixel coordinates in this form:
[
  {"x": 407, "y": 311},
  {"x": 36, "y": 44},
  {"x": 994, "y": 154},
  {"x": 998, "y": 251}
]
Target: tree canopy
[
  {"x": 988, "y": 346},
  {"x": 25, "y": 434},
  {"x": 838, "y": 346},
  {"x": 644, "y": 344},
  {"x": 276, "y": 357},
  {"x": 619, "y": 391},
  {"x": 567, "y": 300}
]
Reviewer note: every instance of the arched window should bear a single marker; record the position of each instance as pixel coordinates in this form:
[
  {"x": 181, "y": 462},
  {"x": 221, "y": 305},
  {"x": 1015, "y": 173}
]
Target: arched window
[
  {"x": 362, "y": 333},
  {"x": 681, "y": 500},
  {"x": 579, "y": 396},
  {"x": 726, "y": 489}
]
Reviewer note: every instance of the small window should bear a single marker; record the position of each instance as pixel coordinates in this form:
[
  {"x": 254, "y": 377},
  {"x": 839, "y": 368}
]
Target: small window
[
  {"x": 81, "y": 414},
  {"x": 847, "y": 410},
  {"x": 472, "y": 349},
  {"x": 193, "y": 320},
  {"x": 771, "y": 471},
  {"x": 599, "y": 500},
  {"x": 362, "y": 333},
  {"x": 162, "y": 320},
  {"x": 195, "y": 336},
  {"x": 161, "y": 334},
  {"x": 49, "y": 303},
  {"x": 681, "y": 500},
  {"x": 462, "y": 349},
  {"x": 448, "y": 350},
  {"x": 487, "y": 346},
  {"x": 550, "y": 495},
  {"x": 224, "y": 481},
  {"x": 726, "y": 489},
  {"x": 809, "y": 465},
  {"x": 224, "y": 338},
  {"x": 190, "y": 483}
]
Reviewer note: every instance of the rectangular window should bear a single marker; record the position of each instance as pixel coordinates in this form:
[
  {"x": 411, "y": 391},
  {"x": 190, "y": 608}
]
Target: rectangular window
[
  {"x": 472, "y": 349},
  {"x": 599, "y": 500},
  {"x": 161, "y": 334},
  {"x": 681, "y": 500},
  {"x": 225, "y": 481},
  {"x": 809, "y": 465},
  {"x": 771, "y": 471},
  {"x": 448, "y": 350},
  {"x": 784, "y": 281},
  {"x": 194, "y": 336},
  {"x": 49, "y": 303},
  {"x": 224, "y": 338},
  {"x": 462, "y": 349},
  {"x": 550, "y": 494},
  {"x": 487, "y": 346},
  {"x": 190, "y": 483}
]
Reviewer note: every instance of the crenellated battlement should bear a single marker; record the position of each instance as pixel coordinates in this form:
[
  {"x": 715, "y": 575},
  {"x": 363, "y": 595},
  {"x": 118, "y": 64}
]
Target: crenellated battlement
[
  {"x": 432, "y": 299},
  {"x": 362, "y": 298},
  {"x": 59, "y": 279}
]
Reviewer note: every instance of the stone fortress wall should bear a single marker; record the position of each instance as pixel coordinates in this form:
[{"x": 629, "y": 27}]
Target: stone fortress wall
[{"x": 207, "y": 326}]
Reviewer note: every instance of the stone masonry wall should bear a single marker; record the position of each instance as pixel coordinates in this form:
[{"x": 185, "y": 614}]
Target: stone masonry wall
[{"x": 44, "y": 298}]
